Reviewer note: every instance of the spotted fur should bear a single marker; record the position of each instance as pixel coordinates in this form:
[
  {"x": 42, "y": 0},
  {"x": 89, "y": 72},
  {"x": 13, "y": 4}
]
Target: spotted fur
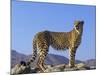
[{"x": 59, "y": 41}]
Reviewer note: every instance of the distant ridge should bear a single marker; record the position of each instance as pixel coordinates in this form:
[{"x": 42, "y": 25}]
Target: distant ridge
[{"x": 53, "y": 59}]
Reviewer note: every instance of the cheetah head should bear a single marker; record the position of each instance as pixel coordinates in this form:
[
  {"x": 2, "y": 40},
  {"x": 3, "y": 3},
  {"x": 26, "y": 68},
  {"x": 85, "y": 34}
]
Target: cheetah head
[{"x": 78, "y": 25}]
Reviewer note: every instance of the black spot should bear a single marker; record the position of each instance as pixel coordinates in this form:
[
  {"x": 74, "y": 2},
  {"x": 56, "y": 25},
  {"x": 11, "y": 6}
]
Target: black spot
[{"x": 23, "y": 63}]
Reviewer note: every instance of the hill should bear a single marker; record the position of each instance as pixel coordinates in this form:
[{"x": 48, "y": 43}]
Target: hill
[{"x": 53, "y": 59}]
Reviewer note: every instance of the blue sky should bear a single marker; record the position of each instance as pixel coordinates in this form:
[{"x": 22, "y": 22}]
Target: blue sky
[{"x": 28, "y": 18}]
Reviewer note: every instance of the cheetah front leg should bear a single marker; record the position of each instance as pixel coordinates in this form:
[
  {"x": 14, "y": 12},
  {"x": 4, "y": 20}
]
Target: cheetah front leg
[{"x": 72, "y": 52}]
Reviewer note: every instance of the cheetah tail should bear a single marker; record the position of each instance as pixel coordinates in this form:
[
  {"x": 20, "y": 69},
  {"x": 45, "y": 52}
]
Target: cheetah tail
[{"x": 34, "y": 53}]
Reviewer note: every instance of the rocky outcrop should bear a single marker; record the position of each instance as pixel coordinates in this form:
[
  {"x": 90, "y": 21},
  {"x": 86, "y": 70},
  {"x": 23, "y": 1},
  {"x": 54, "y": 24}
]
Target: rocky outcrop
[{"x": 49, "y": 68}]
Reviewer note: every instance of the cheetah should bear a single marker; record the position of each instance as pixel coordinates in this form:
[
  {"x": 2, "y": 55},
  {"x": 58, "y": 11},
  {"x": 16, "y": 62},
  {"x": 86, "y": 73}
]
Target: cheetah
[{"x": 59, "y": 41}]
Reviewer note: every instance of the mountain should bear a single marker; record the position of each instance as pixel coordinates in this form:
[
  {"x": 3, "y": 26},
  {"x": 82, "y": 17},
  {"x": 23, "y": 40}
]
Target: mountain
[
  {"x": 91, "y": 63},
  {"x": 53, "y": 59},
  {"x": 17, "y": 57}
]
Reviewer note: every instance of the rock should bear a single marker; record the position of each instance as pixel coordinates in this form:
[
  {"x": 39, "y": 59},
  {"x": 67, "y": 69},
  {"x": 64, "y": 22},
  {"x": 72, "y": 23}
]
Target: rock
[
  {"x": 20, "y": 69},
  {"x": 82, "y": 66},
  {"x": 49, "y": 68}
]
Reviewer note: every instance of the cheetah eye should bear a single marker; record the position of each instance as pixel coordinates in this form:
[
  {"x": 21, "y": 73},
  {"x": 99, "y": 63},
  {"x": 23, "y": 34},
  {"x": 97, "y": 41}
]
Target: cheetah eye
[{"x": 77, "y": 27}]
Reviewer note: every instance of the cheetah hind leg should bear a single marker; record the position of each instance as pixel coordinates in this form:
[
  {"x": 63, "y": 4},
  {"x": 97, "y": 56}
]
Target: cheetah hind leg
[
  {"x": 40, "y": 62},
  {"x": 41, "y": 65}
]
